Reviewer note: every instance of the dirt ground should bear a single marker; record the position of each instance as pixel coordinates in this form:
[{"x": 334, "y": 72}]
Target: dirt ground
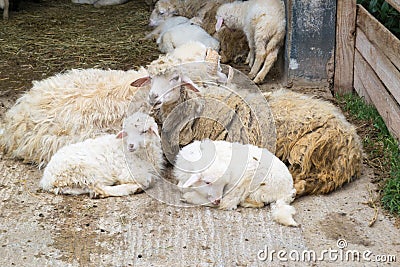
[{"x": 40, "y": 229}]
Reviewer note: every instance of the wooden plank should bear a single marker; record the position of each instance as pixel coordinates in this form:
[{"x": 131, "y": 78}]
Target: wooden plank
[
  {"x": 360, "y": 89},
  {"x": 344, "y": 54},
  {"x": 383, "y": 67},
  {"x": 395, "y": 4},
  {"x": 384, "y": 103},
  {"x": 379, "y": 35}
]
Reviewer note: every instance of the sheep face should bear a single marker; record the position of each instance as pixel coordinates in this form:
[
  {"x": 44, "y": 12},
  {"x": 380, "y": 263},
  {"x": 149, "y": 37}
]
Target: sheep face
[
  {"x": 206, "y": 185},
  {"x": 166, "y": 89},
  {"x": 139, "y": 130},
  {"x": 162, "y": 10}
]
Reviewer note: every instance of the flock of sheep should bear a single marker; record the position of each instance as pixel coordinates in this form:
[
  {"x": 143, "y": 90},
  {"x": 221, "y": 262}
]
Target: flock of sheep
[{"x": 69, "y": 124}]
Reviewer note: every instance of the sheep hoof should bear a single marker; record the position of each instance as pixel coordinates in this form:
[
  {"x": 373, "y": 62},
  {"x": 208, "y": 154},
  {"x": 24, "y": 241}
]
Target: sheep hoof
[{"x": 248, "y": 203}]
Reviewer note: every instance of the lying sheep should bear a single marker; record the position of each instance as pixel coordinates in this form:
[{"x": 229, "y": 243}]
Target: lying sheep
[
  {"x": 99, "y": 3},
  {"x": 164, "y": 9},
  {"x": 184, "y": 33},
  {"x": 165, "y": 26},
  {"x": 225, "y": 175},
  {"x": 4, "y": 4},
  {"x": 106, "y": 166},
  {"x": 263, "y": 22},
  {"x": 68, "y": 108},
  {"x": 314, "y": 138}
]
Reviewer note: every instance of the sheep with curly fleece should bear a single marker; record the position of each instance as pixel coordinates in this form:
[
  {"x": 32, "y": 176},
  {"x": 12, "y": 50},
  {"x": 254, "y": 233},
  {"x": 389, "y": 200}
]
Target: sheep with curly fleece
[
  {"x": 321, "y": 148},
  {"x": 68, "y": 108},
  {"x": 264, "y": 24}
]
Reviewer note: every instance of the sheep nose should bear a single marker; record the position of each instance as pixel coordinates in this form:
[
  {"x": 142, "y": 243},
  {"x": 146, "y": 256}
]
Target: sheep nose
[
  {"x": 216, "y": 201},
  {"x": 131, "y": 147}
]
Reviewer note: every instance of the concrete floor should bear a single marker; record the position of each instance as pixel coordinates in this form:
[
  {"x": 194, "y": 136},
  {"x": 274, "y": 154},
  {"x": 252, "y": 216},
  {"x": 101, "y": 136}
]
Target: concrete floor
[{"x": 40, "y": 229}]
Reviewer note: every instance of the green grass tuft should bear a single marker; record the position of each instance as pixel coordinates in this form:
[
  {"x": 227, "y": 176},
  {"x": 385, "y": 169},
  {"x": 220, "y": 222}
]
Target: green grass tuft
[{"x": 380, "y": 143}]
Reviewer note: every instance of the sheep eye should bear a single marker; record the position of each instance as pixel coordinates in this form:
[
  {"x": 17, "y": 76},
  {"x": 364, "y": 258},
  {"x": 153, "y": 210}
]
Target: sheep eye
[
  {"x": 144, "y": 131},
  {"x": 162, "y": 12},
  {"x": 175, "y": 78},
  {"x": 208, "y": 182}
]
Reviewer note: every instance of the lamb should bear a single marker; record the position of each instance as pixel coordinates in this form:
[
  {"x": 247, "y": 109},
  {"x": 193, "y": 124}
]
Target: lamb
[
  {"x": 184, "y": 33},
  {"x": 263, "y": 22},
  {"x": 165, "y": 26},
  {"x": 99, "y": 3},
  {"x": 4, "y": 4},
  {"x": 106, "y": 166},
  {"x": 69, "y": 108},
  {"x": 224, "y": 175},
  {"x": 164, "y": 9}
]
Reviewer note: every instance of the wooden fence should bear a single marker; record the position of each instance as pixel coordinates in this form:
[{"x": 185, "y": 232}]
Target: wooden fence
[{"x": 367, "y": 59}]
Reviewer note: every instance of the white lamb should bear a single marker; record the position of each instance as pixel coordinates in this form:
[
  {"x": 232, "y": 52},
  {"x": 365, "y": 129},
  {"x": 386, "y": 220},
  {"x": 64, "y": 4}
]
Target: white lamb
[
  {"x": 184, "y": 33},
  {"x": 99, "y": 3},
  {"x": 224, "y": 175},
  {"x": 263, "y": 22},
  {"x": 165, "y": 26},
  {"x": 110, "y": 165}
]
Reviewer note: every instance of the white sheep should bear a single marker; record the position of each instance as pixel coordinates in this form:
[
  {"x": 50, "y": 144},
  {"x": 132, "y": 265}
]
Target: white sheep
[
  {"x": 4, "y": 4},
  {"x": 68, "y": 108},
  {"x": 164, "y": 9},
  {"x": 225, "y": 175},
  {"x": 99, "y": 3},
  {"x": 165, "y": 26},
  {"x": 263, "y": 22},
  {"x": 106, "y": 166},
  {"x": 183, "y": 33}
]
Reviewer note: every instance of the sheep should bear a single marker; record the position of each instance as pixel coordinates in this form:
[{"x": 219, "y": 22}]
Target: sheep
[
  {"x": 68, "y": 108},
  {"x": 168, "y": 8},
  {"x": 263, "y": 22},
  {"x": 106, "y": 166},
  {"x": 314, "y": 138},
  {"x": 225, "y": 175},
  {"x": 190, "y": 102},
  {"x": 99, "y": 3},
  {"x": 184, "y": 33},
  {"x": 165, "y": 26},
  {"x": 4, "y": 4}
]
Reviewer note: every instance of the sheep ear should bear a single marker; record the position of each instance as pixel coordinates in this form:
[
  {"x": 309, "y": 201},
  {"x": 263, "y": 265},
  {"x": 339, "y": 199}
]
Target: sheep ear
[
  {"x": 154, "y": 130},
  {"x": 194, "y": 178},
  {"x": 121, "y": 134},
  {"x": 218, "y": 25},
  {"x": 190, "y": 84},
  {"x": 141, "y": 82}
]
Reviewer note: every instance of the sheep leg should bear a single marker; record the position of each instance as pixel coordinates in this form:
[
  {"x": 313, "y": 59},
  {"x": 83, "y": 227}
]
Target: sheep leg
[
  {"x": 251, "y": 203},
  {"x": 260, "y": 57},
  {"x": 6, "y": 7},
  {"x": 250, "y": 40},
  {"x": 269, "y": 61},
  {"x": 102, "y": 191}
]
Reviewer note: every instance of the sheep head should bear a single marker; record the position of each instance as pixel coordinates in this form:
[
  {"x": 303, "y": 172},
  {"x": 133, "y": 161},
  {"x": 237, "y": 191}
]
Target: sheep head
[
  {"x": 139, "y": 129},
  {"x": 162, "y": 10}
]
